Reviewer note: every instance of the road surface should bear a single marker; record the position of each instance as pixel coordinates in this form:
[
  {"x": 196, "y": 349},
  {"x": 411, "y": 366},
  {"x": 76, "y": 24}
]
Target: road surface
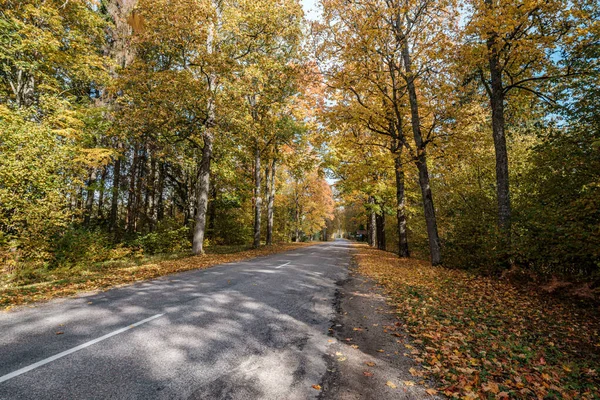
[{"x": 247, "y": 330}]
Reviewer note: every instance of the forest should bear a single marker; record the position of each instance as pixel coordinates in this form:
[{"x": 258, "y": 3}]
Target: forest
[{"x": 465, "y": 133}]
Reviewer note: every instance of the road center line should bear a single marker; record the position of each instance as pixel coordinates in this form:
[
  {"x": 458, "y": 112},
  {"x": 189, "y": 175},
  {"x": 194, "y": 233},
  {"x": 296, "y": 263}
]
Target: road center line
[
  {"x": 74, "y": 349},
  {"x": 283, "y": 265}
]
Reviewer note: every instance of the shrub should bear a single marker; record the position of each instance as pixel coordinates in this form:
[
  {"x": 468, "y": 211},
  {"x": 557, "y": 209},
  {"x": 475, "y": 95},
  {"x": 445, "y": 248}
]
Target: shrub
[
  {"x": 79, "y": 246},
  {"x": 165, "y": 240}
]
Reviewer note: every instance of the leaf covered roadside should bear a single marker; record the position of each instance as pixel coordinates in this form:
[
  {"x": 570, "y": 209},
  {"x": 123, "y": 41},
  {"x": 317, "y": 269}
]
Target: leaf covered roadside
[
  {"x": 73, "y": 281},
  {"x": 483, "y": 338}
]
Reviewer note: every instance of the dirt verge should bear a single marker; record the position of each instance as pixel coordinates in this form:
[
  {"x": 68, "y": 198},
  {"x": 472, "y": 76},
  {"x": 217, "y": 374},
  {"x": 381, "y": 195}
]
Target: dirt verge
[{"x": 366, "y": 358}]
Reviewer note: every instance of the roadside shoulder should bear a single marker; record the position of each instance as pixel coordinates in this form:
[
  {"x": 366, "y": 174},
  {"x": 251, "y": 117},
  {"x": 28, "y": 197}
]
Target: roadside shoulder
[{"x": 366, "y": 356}]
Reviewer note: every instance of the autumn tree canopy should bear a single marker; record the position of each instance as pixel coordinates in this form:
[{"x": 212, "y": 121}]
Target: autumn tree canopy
[{"x": 137, "y": 126}]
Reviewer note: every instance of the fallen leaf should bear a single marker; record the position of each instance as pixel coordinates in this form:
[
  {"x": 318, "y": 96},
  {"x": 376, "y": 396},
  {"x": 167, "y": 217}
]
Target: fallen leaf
[
  {"x": 490, "y": 387},
  {"x": 471, "y": 328},
  {"x": 59, "y": 332},
  {"x": 370, "y": 363},
  {"x": 391, "y": 384},
  {"x": 367, "y": 373},
  {"x": 409, "y": 383},
  {"x": 432, "y": 392},
  {"x": 316, "y": 387}
]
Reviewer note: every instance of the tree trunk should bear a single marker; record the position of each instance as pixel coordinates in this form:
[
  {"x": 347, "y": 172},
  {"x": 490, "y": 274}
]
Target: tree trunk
[
  {"x": 131, "y": 197},
  {"x": 380, "y": 218},
  {"x": 372, "y": 224},
  {"x": 138, "y": 210},
  {"x": 150, "y": 206},
  {"x": 114, "y": 201},
  {"x": 403, "y": 250},
  {"x": 257, "y": 197},
  {"x": 89, "y": 200},
  {"x": 23, "y": 87},
  {"x": 297, "y": 220},
  {"x": 271, "y": 200},
  {"x": 207, "y": 151},
  {"x": 160, "y": 205},
  {"x": 421, "y": 161},
  {"x": 101, "y": 194},
  {"x": 498, "y": 125},
  {"x": 429, "y": 210},
  {"x": 203, "y": 191}
]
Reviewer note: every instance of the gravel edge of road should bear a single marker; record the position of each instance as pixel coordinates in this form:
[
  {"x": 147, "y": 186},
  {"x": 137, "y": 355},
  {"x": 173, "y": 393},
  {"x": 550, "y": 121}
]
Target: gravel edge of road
[{"x": 364, "y": 331}]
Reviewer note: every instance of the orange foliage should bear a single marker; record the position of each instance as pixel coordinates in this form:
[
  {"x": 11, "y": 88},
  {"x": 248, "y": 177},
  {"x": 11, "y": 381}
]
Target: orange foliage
[{"x": 484, "y": 338}]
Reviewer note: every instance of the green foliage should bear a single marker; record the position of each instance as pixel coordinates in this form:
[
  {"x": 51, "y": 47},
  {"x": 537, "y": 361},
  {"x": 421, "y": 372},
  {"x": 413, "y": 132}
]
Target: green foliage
[
  {"x": 37, "y": 178},
  {"x": 50, "y": 48},
  {"x": 558, "y": 220},
  {"x": 82, "y": 247},
  {"x": 51, "y": 62},
  {"x": 166, "y": 239},
  {"x": 233, "y": 222},
  {"x": 556, "y": 188}
]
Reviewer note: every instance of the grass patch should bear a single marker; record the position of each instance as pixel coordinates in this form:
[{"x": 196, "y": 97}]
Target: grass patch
[{"x": 483, "y": 338}]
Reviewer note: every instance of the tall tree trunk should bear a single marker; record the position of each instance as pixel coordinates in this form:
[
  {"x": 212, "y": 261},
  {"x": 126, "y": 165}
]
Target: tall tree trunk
[
  {"x": 257, "y": 196},
  {"x": 139, "y": 209},
  {"x": 403, "y": 250},
  {"x": 268, "y": 195},
  {"x": 114, "y": 201},
  {"x": 380, "y": 218},
  {"x": 297, "y": 219},
  {"x": 120, "y": 48},
  {"x": 101, "y": 194},
  {"x": 271, "y": 172},
  {"x": 131, "y": 197},
  {"x": 207, "y": 150},
  {"x": 496, "y": 93},
  {"x": 203, "y": 191},
  {"x": 150, "y": 204},
  {"x": 160, "y": 205},
  {"x": 89, "y": 200},
  {"x": 372, "y": 224},
  {"x": 421, "y": 161}
]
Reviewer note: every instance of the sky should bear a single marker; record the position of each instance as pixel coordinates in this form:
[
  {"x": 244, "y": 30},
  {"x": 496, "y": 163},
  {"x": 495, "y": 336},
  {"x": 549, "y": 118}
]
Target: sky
[{"x": 310, "y": 7}]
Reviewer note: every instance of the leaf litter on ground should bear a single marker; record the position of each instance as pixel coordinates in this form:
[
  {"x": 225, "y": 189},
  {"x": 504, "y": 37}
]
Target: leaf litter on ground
[{"x": 480, "y": 337}]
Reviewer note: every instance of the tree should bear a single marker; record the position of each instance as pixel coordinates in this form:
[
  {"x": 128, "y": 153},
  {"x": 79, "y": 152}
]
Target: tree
[
  {"x": 51, "y": 68},
  {"x": 380, "y": 57},
  {"x": 514, "y": 48}
]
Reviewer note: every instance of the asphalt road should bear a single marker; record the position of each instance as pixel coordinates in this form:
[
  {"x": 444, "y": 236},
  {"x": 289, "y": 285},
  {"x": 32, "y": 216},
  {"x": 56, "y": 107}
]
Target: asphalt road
[{"x": 256, "y": 329}]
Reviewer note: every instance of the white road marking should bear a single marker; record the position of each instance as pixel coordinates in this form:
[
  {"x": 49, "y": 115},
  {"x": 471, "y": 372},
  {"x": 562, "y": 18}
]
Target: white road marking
[
  {"x": 283, "y": 265},
  {"x": 74, "y": 349}
]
